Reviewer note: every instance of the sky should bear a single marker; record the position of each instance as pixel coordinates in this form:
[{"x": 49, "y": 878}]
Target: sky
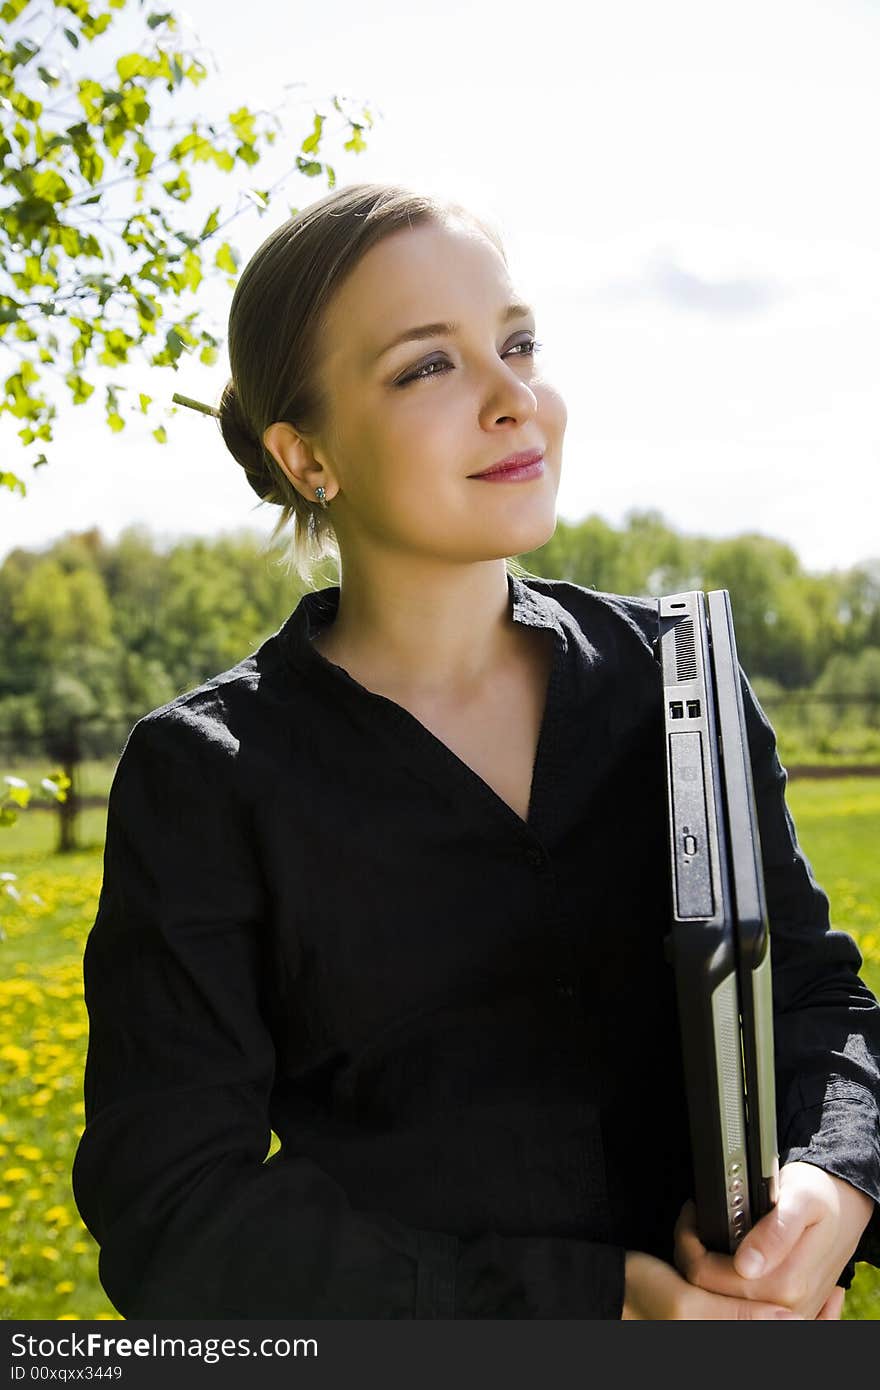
[{"x": 688, "y": 194}]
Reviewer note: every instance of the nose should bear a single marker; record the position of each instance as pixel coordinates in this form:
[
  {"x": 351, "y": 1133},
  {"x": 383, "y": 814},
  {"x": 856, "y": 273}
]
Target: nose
[{"x": 507, "y": 397}]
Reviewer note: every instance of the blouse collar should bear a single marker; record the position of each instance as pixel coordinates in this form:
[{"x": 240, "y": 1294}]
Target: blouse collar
[{"x": 318, "y": 608}]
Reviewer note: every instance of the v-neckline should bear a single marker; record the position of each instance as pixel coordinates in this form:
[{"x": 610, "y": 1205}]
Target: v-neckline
[{"x": 441, "y": 750}]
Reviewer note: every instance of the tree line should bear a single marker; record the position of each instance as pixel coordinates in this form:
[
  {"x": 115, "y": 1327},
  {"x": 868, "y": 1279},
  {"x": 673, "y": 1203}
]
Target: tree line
[{"x": 101, "y": 630}]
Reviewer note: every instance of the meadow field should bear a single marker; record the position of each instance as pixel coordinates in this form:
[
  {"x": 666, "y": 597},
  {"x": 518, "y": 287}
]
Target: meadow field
[{"x": 48, "y": 1261}]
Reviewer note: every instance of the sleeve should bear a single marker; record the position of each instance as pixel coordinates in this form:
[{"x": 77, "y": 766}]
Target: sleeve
[
  {"x": 171, "y": 1173},
  {"x": 826, "y": 1020}
]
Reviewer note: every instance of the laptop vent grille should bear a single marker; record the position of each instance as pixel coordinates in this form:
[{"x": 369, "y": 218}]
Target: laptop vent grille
[{"x": 685, "y": 651}]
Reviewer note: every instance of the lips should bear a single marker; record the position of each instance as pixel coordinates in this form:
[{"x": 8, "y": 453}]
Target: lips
[{"x": 521, "y": 460}]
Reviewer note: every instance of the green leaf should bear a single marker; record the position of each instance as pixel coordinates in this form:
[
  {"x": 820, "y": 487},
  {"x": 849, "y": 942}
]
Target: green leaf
[
  {"x": 13, "y": 483},
  {"x": 208, "y": 355},
  {"x": 71, "y": 37},
  {"x": 311, "y": 142},
  {"x": 154, "y": 20},
  {"x": 91, "y": 99},
  {"x": 25, "y": 107},
  {"x": 242, "y": 122},
  {"x": 179, "y": 188},
  {"x": 192, "y": 270},
  {"x": 134, "y": 108},
  {"x": 116, "y": 345},
  {"x": 51, "y": 187},
  {"x": 130, "y": 65},
  {"x": 145, "y": 402},
  {"x": 226, "y": 259},
  {"x": 79, "y": 387},
  {"x": 161, "y": 435},
  {"x": 355, "y": 143},
  {"x": 18, "y": 791},
  {"x": 145, "y": 158},
  {"x": 211, "y": 225},
  {"x": 115, "y": 422},
  {"x": 93, "y": 27},
  {"x": 12, "y": 9}
]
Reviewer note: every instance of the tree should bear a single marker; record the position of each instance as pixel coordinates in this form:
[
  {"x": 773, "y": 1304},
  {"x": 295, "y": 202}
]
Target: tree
[{"x": 98, "y": 258}]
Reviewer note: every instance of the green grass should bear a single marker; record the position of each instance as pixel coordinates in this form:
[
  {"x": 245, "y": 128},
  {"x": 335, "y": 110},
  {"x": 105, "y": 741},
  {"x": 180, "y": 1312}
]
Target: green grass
[{"x": 49, "y": 1266}]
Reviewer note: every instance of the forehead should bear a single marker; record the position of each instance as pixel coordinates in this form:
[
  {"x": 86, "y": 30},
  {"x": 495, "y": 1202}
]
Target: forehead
[{"x": 416, "y": 275}]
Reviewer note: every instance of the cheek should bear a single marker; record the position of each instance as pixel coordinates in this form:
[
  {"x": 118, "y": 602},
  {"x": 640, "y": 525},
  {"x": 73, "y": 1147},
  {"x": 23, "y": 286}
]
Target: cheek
[{"x": 552, "y": 408}]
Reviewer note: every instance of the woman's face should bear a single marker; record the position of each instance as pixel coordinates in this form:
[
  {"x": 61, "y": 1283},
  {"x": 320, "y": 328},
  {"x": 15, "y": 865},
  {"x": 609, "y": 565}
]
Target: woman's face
[{"x": 411, "y": 421}]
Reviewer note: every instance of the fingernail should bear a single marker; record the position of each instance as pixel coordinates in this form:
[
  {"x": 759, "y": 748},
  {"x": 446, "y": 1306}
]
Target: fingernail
[{"x": 750, "y": 1263}]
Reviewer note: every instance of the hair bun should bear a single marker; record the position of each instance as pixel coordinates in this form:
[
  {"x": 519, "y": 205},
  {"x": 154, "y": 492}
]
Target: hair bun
[{"x": 242, "y": 443}]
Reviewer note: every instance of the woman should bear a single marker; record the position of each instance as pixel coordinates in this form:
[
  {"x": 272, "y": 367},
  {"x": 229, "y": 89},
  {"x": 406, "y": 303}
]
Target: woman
[{"x": 395, "y": 885}]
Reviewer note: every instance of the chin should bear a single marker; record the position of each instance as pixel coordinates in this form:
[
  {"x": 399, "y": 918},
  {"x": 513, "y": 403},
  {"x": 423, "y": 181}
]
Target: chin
[{"x": 535, "y": 532}]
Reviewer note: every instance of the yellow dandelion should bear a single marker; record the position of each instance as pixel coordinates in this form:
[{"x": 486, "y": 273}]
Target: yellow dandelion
[
  {"x": 65, "y": 1286},
  {"x": 49, "y": 1252},
  {"x": 5, "y": 1201},
  {"x": 58, "y": 1214},
  {"x": 3, "y": 1120},
  {"x": 80, "y": 1247},
  {"x": 15, "y": 1174},
  {"x": 68, "y": 1317},
  {"x": 29, "y": 1151},
  {"x": 4, "y": 1281},
  {"x": 33, "y": 1193}
]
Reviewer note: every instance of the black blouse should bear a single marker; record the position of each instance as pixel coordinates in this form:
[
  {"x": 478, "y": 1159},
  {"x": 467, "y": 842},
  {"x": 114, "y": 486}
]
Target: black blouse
[{"x": 316, "y": 918}]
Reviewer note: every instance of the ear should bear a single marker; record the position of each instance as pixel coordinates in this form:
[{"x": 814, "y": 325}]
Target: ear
[{"x": 296, "y": 456}]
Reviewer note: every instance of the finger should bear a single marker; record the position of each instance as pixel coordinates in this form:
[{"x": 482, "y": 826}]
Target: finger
[
  {"x": 774, "y": 1237},
  {"x": 689, "y": 1249},
  {"x": 832, "y": 1309},
  {"x": 687, "y": 1218},
  {"x": 744, "y": 1310},
  {"x": 802, "y": 1281}
]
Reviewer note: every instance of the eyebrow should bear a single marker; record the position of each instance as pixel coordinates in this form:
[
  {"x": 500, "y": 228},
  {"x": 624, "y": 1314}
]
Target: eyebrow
[{"x": 434, "y": 330}]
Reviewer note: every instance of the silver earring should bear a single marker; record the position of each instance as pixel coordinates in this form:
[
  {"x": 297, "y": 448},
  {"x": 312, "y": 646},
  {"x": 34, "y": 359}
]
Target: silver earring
[{"x": 320, "y": 494}]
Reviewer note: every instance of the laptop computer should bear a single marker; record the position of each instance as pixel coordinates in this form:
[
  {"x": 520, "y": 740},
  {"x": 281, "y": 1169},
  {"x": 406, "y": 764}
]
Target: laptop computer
[{"x": 720, "y": 938}]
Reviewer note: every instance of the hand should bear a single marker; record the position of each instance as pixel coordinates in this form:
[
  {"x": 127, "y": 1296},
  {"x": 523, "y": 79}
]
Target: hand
[
  {"x": 802, "y": 1245},
  {"x": 654, "y": 1290}
]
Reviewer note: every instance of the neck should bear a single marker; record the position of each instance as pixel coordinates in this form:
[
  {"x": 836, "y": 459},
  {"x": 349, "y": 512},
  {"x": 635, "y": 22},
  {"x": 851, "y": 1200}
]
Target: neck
[{"x": 431, "y": 633}]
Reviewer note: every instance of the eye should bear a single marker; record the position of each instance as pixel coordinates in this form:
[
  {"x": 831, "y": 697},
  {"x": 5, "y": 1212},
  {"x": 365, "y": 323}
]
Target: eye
[{"x": 528, "y": 347}]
